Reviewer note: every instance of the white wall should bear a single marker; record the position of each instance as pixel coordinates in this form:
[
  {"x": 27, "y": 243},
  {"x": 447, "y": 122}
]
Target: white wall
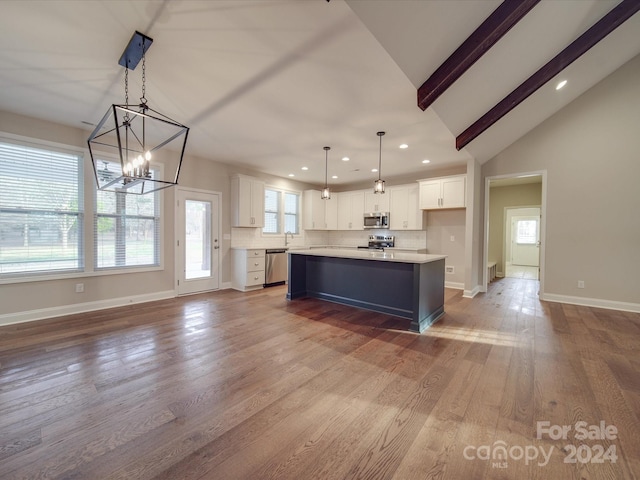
[{"x": 591, "y": 152}]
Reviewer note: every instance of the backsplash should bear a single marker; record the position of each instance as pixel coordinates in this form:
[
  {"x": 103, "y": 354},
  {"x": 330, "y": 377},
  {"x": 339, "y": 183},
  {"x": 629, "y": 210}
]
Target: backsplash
[
  {"x": 253, "y": 238},
  {"x": 404, "y": 238}
]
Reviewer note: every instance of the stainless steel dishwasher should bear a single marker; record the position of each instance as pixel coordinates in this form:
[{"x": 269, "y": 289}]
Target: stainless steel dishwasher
[{"x": 276, "y": 267}]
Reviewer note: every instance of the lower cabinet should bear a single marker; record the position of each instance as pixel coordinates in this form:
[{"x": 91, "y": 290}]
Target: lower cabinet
[{"x": 248, "y": 269}]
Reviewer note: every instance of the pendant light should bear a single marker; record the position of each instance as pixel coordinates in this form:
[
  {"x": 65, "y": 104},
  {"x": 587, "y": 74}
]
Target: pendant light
[
  {"x": 326, "y": 193},
  {"x": 136, "y": 135},
  {"x": 378, "y": 185}
]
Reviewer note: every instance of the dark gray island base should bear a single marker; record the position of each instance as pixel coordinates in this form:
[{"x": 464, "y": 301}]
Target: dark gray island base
[{"x": 401, "y": 284}]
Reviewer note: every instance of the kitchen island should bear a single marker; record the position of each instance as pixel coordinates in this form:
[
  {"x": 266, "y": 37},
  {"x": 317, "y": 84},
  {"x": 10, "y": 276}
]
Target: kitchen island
[{"x": 407, "y": 285}]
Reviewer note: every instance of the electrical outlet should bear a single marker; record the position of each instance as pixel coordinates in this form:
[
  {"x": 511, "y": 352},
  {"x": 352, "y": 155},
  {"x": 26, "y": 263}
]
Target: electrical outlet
[
  {"x": 79, "y": 287},
  {"x": 453, "y": 238},
  {"x": 450, "y": 269},
  {"x": 580, "y": 283}
]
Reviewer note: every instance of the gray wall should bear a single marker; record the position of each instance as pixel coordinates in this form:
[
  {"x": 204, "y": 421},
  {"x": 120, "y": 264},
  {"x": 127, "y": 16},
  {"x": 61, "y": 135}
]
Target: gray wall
[{"x": 590, "y": 150}]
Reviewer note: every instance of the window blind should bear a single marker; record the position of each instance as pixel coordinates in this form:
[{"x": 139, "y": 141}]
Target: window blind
[
  {"x": 126, "y": 227},
  {"x": 291, "y": 212},
  {"x": 271, "y": 211},
  {"x": 41, "y": 215}
]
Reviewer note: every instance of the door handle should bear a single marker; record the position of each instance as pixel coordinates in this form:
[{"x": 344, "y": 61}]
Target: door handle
[{"x": 216, "y": 247}]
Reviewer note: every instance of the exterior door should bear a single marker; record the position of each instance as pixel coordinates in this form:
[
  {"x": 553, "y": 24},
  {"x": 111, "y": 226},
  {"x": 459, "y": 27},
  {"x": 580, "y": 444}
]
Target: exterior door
[
  {"x": 197, "y": 241},
  {"x": 525, "y": 240}
]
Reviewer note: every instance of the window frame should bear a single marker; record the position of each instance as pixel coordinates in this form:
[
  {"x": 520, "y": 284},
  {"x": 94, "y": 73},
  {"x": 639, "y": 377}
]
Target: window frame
[
  {"x": 281, "y": 212},
  {"x": 96, "y": 215}
]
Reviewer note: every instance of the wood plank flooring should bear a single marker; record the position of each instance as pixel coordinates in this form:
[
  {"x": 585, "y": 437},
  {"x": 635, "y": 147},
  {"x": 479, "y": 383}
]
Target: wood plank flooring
[{"x": 230, "y": 385}]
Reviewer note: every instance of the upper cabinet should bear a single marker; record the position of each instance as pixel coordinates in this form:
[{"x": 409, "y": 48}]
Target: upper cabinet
[
  {"x": 247, "y": 201},
  {"x": 319, "y": 214},
  {"x": 376, "y": 202},
  {"x": 403, "y": 209},
  {"x": 443, "y": 192},
  {"x": 351, "y": 210}
]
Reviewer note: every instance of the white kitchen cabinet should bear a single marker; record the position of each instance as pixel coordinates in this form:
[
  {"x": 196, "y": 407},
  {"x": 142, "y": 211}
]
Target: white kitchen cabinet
[
  {"x": 248, "y": 269},
  {"x": 247, "y": 201},
  {"x": 319, "y": 214},
  {"x": 443, "y": 192},
  {"x": 351, "y": 210},
  {"x": 376, "y": 202},
  {"x": 403, "y": 209},
  {"x": 331, "y": 212}
]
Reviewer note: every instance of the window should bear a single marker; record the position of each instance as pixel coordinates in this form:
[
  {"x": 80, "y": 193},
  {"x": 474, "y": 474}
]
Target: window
[
  {"x": 271, "y": 211},
  {"x": 126, "y": 228},
  {"x": 526, "y": 232},
  {"x": 281, "y": 208},
  {"x": 41, "y": 213}
]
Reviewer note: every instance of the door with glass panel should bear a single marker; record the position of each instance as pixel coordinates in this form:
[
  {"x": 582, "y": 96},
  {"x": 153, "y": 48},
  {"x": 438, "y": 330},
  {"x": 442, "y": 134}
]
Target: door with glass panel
[
  {"x": 197, "y": 241},
  {"x": 525, "y": 240}
]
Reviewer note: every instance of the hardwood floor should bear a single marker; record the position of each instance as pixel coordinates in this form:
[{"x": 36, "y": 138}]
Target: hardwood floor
[{"x": 231, "y": 385}]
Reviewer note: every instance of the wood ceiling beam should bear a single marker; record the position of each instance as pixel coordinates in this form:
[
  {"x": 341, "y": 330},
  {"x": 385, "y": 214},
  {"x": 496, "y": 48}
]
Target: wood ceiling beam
[
  {"x": 612, "y": 20},
  {"x": 479, "y": 42}
]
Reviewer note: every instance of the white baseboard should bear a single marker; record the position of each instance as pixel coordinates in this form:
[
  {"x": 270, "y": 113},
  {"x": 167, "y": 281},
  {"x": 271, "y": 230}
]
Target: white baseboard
[
  {"x": 454, "y": 285},
  {"x": 225, "y": 285},
  {"x": 592, "y": 302},
  {"x": 42, "y": 313},
  {"x": 473, "y": 292}
]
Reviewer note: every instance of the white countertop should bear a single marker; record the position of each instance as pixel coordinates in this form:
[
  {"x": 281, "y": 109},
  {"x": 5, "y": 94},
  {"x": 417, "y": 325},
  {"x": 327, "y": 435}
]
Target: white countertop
[{"x": 386, "y": 256}]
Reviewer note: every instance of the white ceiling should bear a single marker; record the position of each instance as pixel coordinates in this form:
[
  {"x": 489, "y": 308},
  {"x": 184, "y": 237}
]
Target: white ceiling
[{"x": 267, "y": 84}]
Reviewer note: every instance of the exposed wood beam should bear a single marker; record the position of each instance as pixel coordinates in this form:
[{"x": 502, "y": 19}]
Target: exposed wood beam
[
  {"x": 607, "y": 24},
  {"x": 479, "y": 42}
]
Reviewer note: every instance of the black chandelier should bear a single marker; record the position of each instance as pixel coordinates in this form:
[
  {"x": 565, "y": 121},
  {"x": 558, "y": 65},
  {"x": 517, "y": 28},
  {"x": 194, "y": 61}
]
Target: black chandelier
[{"x": 136, "y": 135}]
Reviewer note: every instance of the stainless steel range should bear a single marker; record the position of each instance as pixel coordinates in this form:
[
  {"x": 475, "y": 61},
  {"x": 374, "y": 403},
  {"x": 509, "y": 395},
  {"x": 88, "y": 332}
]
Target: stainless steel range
[{"x": 379, "y": 242}]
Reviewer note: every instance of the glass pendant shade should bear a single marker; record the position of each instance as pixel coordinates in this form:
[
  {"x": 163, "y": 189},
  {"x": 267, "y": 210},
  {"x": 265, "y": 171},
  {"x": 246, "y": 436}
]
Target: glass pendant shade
[
  {"x": 326, "y": 193},
  {"x": 378, "y": 185}
]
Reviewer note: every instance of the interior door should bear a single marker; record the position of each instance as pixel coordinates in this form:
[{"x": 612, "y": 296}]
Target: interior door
[
  {"x": 197, "y": 241},
  {"x": 525, "y": 240}
]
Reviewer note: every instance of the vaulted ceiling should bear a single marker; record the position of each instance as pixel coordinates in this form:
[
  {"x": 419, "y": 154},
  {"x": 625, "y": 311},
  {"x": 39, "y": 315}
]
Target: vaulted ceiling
[{"x": 267, "y": 84}]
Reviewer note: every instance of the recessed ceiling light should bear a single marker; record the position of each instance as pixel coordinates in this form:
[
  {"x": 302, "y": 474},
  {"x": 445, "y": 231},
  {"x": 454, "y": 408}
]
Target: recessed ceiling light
[
  {"x": 426, "y": 161},
  {"x": 334, "y": 176},
  {"x": 345, "y": 159},
  {"x": 561, "y": 84},
  {"x": 291, "y": 175},
  {"x": 305, "y": 168},
  {"x": 403, "y": 146},
  {"x": 374, "y": 170}
]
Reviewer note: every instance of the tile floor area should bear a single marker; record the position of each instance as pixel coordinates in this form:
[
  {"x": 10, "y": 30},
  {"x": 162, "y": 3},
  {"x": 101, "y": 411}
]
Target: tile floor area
[{"x": 519, "y": 271}]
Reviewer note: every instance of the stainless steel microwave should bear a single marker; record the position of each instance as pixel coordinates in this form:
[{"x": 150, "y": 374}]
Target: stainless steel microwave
[{"x": 376, "y": 220}]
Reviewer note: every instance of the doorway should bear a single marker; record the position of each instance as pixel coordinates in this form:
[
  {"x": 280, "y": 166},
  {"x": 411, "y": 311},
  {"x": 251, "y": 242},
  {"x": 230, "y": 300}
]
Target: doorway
[
  {"x": 512, "y": 193},
  {"x": 197, "y": 241}
]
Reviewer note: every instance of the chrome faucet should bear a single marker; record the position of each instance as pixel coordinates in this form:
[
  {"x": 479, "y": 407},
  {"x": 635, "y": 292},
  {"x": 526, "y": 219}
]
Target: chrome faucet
[{"x": 285, "y": 237}]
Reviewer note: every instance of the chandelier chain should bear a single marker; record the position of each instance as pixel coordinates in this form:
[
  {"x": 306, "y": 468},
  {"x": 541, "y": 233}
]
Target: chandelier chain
[
  {"x": 126, "y": 92},
  {"x": 143, "y": 99}
]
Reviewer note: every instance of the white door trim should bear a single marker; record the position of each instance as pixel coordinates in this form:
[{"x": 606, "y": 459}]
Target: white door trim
[{"x": 177, "y": 232}]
